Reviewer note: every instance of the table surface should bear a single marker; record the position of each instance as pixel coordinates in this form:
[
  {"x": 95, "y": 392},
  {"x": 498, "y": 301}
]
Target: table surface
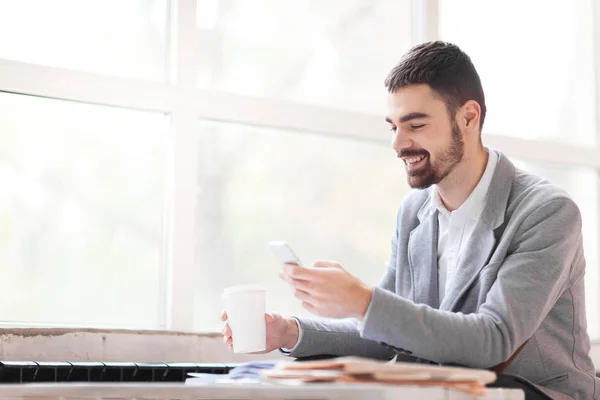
[{"x": 243, "y": 391}]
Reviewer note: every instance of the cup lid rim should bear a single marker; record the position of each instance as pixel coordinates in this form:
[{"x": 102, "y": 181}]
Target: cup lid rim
[{"x": 243, "y": 288}]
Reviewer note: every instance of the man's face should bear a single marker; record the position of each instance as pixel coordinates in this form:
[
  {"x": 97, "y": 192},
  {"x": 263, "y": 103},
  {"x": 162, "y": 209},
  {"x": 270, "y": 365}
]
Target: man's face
[{"x": 424, "y": 136}]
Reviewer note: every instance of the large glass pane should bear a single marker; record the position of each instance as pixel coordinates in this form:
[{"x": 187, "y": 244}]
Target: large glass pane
[
  {"x": 583, "y": 186},
  {"x": 328, "y": 198},
  {"x": 81, "y": 204},
  {"x": 117, "y": 37},
  {"x": 332, "y": 53},
  {"x": 536, "y": 61}
]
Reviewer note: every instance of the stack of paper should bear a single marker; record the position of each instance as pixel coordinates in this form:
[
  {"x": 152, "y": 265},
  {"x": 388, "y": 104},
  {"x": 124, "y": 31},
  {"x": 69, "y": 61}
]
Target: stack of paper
[{"x": 361, "y": 370}]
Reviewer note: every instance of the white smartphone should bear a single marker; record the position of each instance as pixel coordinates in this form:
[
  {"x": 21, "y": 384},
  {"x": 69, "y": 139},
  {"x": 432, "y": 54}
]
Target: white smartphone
[{"x": 284, "y": 252}]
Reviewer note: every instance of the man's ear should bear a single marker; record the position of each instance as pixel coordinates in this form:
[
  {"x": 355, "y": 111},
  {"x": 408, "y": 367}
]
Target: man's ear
[{"x": 471, "y": 114}]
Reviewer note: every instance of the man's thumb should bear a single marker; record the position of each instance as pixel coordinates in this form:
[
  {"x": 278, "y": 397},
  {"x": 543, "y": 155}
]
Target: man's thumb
[{"x": 269, "y": 318}]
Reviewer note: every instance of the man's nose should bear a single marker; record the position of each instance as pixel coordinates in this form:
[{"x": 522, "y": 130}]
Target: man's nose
[{"x": 401, "y": 141}]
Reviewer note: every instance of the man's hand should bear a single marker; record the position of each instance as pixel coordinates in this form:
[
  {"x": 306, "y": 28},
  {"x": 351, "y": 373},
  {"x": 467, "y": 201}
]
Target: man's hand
[
  {"x": 328, "y": 290},
  {"x": 281, "y": 332}
]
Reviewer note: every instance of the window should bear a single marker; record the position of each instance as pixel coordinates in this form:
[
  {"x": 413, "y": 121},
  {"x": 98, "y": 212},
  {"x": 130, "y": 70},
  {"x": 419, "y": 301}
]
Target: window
[
  {"x": 118, "y": 37},
  {"x": 536, "y": 64},
  {"x": 121, "y": 189},
  {"x": 327, "y": 197},
  {"x": 81, "y": 207},
  {"x": 333, "y": 53}
]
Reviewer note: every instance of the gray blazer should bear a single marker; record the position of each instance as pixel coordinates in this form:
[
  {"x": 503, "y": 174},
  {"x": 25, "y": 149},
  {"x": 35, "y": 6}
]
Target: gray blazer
[{"x": 521, "y": 280}]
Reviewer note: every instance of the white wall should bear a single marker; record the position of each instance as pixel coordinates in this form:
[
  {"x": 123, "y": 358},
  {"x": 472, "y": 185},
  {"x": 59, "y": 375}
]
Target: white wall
[{"x": 121, "y": 345}]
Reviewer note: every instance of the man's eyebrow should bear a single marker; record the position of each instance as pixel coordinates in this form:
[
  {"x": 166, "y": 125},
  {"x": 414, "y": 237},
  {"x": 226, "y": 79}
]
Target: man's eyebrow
[
  {"x": 413, "y": 115},
  {"x": 408, "y": 117}
]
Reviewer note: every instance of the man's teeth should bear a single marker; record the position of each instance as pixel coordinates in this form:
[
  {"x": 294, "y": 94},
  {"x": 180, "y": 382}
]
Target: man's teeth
[{"x": 412, "y": 160}]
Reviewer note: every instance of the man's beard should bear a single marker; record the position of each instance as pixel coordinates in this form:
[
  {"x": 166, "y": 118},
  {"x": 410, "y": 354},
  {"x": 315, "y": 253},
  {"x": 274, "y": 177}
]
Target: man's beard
[{"x": 429, "y": 174}]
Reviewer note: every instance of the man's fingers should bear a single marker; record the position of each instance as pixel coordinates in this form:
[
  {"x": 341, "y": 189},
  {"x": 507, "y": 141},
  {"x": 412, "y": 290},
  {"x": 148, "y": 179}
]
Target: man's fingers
[
  {"x": 228, "y": 342},
  {"x": 307, "y": 286},
  {"x": 296, "y": 272},
  {"x": 308, "y": 301},
  {"x": 269, "y": 317},
  {"x": 223, "y": 316},
  {"x": 226, "y": 330},
  {"x": 294, "y": 283},
  {"x": 309, "y": 307},
  {"x": 285, "y": 277},
  {"x": 325, "y": 264},
  {"x": 302, "y": 295}
]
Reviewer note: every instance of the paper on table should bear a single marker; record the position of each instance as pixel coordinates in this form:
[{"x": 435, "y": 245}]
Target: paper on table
[
  {"x": 361, "y": 370},
  {"x": 361, "y": 366}
]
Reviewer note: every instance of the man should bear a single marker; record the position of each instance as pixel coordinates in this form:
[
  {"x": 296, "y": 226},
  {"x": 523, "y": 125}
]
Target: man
[{"x": 486, "y": 261}]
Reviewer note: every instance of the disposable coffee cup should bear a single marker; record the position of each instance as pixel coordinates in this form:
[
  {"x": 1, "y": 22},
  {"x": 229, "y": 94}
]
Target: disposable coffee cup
[{"x": 245, "y": 307}]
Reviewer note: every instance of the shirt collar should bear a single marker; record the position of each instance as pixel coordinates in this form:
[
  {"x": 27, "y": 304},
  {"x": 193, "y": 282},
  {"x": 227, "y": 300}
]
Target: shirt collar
[{"x": 474, "y": 204}]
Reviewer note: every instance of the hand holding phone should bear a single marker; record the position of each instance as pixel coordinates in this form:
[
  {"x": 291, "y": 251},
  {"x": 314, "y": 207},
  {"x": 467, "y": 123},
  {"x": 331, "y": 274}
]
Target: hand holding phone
[{"x": 284, "y": 252}]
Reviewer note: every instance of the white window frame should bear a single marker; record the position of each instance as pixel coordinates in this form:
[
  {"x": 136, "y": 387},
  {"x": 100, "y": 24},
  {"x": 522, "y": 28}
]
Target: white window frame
[{"x": 179, "y": 98}]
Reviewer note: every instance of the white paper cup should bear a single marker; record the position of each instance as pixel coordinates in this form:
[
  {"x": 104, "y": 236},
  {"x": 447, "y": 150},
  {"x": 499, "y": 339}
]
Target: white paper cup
[{"x": 245, "y": 307}]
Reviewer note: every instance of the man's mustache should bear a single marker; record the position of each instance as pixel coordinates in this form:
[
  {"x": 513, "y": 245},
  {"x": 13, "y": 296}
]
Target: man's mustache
[{"x": 412, "y": 153}]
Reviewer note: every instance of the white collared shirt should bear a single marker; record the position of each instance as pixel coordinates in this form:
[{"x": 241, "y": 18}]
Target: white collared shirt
[{"x": 455, "y": 228}]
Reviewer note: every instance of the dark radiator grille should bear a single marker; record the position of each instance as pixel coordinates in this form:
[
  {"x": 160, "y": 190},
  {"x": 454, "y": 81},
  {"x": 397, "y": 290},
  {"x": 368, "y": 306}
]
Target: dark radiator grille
[{"x": 32, "y": 371}]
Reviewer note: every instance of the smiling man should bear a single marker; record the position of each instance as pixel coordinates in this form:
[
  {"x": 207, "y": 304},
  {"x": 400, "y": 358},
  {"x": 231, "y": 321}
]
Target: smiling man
[{"x": 486, "y": 267}]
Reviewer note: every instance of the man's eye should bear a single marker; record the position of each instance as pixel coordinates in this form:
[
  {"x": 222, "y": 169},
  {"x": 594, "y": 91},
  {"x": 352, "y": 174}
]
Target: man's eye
[
  {"x": 393, "y": 128},
  {"x": 417, "y": 126}
]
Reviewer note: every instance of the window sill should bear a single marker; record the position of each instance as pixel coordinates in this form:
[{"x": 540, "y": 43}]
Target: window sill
[{"x": 116, "y": 345}]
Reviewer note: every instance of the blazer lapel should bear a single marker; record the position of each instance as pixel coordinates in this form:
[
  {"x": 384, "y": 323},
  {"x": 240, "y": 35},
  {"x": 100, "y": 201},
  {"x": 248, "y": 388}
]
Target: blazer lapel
[
  {"x": 474, "y": 259},
  {"x": 483, "y": 240},
  {"x": 422, "y": 259}
]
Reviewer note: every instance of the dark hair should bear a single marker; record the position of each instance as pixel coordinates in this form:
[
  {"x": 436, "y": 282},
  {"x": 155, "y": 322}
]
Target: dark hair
[{"x": 446, "y": 69}]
